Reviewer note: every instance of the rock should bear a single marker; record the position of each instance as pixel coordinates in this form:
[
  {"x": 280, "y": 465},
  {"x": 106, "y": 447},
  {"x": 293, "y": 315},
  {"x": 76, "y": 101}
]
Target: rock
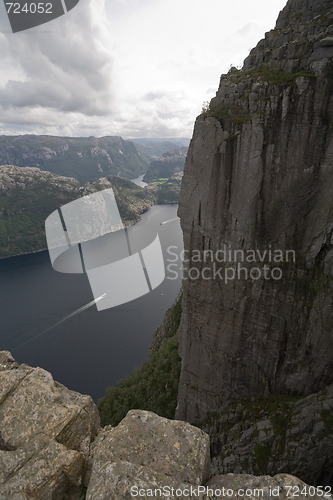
[
  {"x": 31, "y": 397},
  {"x": 147, "y": 449},
  {"x": 43, "y": 468},
  {"x": 327, "y": 42},
  {"x": 258, "y": 176},
  {"x": 7, "y": 362},
  {"x": 275, "y": 435},
  {"x": 282, "y": 486},
  {"x": 45, "y": 450},
  {"x": 46, "y": 431},
  {"x": 118, "y": 479}
]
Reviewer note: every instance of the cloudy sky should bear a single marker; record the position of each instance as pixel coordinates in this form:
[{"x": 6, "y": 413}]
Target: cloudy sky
[{"x": 135, "y": 68}]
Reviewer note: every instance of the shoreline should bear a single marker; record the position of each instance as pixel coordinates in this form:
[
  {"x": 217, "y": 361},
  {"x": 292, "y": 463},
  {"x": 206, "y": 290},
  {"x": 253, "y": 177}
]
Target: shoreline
[{"x": 46, "y": 249}]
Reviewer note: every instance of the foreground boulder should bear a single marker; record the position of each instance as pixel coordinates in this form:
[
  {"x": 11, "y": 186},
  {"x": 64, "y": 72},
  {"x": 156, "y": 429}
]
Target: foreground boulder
[
  {"x": 52, "y": 447},
  {"x": 45, "y": 433},
  {"x": 148, "y": 450}
]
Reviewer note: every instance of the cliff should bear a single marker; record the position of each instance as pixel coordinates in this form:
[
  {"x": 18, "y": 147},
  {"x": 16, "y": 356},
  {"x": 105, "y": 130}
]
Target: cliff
[
  {"x": 84, "y": 158},
  {"x": 52, "y": 446},
  {"x": 257, "y": 321}
]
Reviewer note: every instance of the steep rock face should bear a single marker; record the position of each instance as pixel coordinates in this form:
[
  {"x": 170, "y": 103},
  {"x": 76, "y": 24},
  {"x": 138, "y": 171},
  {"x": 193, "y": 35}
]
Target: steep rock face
[
  {"x": 259, "y": 176},
  {"x": 289, "y": 434}
]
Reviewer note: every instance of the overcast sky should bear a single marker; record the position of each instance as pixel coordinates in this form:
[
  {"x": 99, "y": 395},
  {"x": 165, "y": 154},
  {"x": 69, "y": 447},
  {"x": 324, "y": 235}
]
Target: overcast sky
[{"x": 134, "y": 68}]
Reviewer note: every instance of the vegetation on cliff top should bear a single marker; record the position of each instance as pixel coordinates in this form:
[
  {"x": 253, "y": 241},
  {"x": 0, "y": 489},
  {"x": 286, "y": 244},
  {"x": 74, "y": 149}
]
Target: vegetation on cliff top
[{"x": 239, "y": 113}]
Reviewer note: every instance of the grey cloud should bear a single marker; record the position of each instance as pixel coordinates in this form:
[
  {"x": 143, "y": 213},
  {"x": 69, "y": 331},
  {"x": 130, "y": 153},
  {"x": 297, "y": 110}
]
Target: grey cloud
[
  {"x": 65, "y": 67},
  {"x": 153, "y": 96}
]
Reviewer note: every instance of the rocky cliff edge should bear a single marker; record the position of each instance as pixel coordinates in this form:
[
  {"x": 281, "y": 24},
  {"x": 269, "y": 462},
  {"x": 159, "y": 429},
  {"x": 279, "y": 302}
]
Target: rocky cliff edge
[
  {"x": 52, "y": 447},
  {"x": 259, "y": 178}
]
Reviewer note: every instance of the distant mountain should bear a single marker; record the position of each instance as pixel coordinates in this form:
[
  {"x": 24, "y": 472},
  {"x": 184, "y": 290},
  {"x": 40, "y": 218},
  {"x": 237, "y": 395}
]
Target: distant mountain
[
  {"x": 84, "y": 158},
  {"x": 167, "y": 191},
  {"x": 29, "y": 195},
  {"x": 167, "y": 165},
  {"x": 153, "y": 148}
]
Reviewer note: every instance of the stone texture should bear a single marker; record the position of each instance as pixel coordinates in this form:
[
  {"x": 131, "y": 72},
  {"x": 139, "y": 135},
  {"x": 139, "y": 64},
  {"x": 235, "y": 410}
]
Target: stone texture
[
  {"x": 115, "y": 479},
  {"x": 45, "y": 433},
  {"x": 42, "y": 468},
  {"x": 149, "y": 452},
  {"x": 282, "y": 486},
  {"x": 156, "y": 447},
  {"x": 291, "y": 435},
  {"x": 144, "y": 451},
  {"x": 259, "y": 176}
]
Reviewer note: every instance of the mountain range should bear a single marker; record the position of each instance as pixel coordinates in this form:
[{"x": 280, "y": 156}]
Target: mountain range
[{"x": 84, "y": 158}]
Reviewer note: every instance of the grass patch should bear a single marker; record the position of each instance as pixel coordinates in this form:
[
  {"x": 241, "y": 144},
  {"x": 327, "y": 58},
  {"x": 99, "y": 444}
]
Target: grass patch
[
  {"x": 233, "y": 113},
  {"x": 262, "y": 454},
  {"x": 159, "y": 181},
  {"x": 327, "y": 417},
  {"x": 277, "y": 76}
]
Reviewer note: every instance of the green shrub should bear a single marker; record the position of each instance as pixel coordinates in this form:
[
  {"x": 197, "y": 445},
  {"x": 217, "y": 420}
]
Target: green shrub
[{"x": 153, "y": 386}]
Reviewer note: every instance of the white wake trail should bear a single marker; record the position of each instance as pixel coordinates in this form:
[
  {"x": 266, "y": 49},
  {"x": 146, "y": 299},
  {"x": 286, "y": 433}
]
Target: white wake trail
[
  {"x": 74, "y": 313},
  {"x": 169, "y": 220}
]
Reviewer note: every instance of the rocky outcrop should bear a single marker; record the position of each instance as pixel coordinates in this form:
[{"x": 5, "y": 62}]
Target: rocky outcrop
[
  {"x": 146, "y": 450},
  {"x": 84, "y": 158},
  {"x": 289, "y": 434},
  {"x": 51, "y": 446},
  {"x": 46, "y": 433},
  {"x": 146, "y": 453},
  {"x": 258, "y": 178}
]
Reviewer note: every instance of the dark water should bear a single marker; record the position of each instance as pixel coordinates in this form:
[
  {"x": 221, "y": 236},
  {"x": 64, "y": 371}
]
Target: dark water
[{"x": 91, "y": 350}]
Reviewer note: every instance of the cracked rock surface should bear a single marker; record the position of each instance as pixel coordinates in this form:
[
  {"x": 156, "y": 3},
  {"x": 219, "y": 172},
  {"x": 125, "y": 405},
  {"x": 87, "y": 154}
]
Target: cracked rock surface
[
  {"x": 51, "y": 447},
  {"x": 46, "y": 431},
  {"x": 259, "y": 177}
]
